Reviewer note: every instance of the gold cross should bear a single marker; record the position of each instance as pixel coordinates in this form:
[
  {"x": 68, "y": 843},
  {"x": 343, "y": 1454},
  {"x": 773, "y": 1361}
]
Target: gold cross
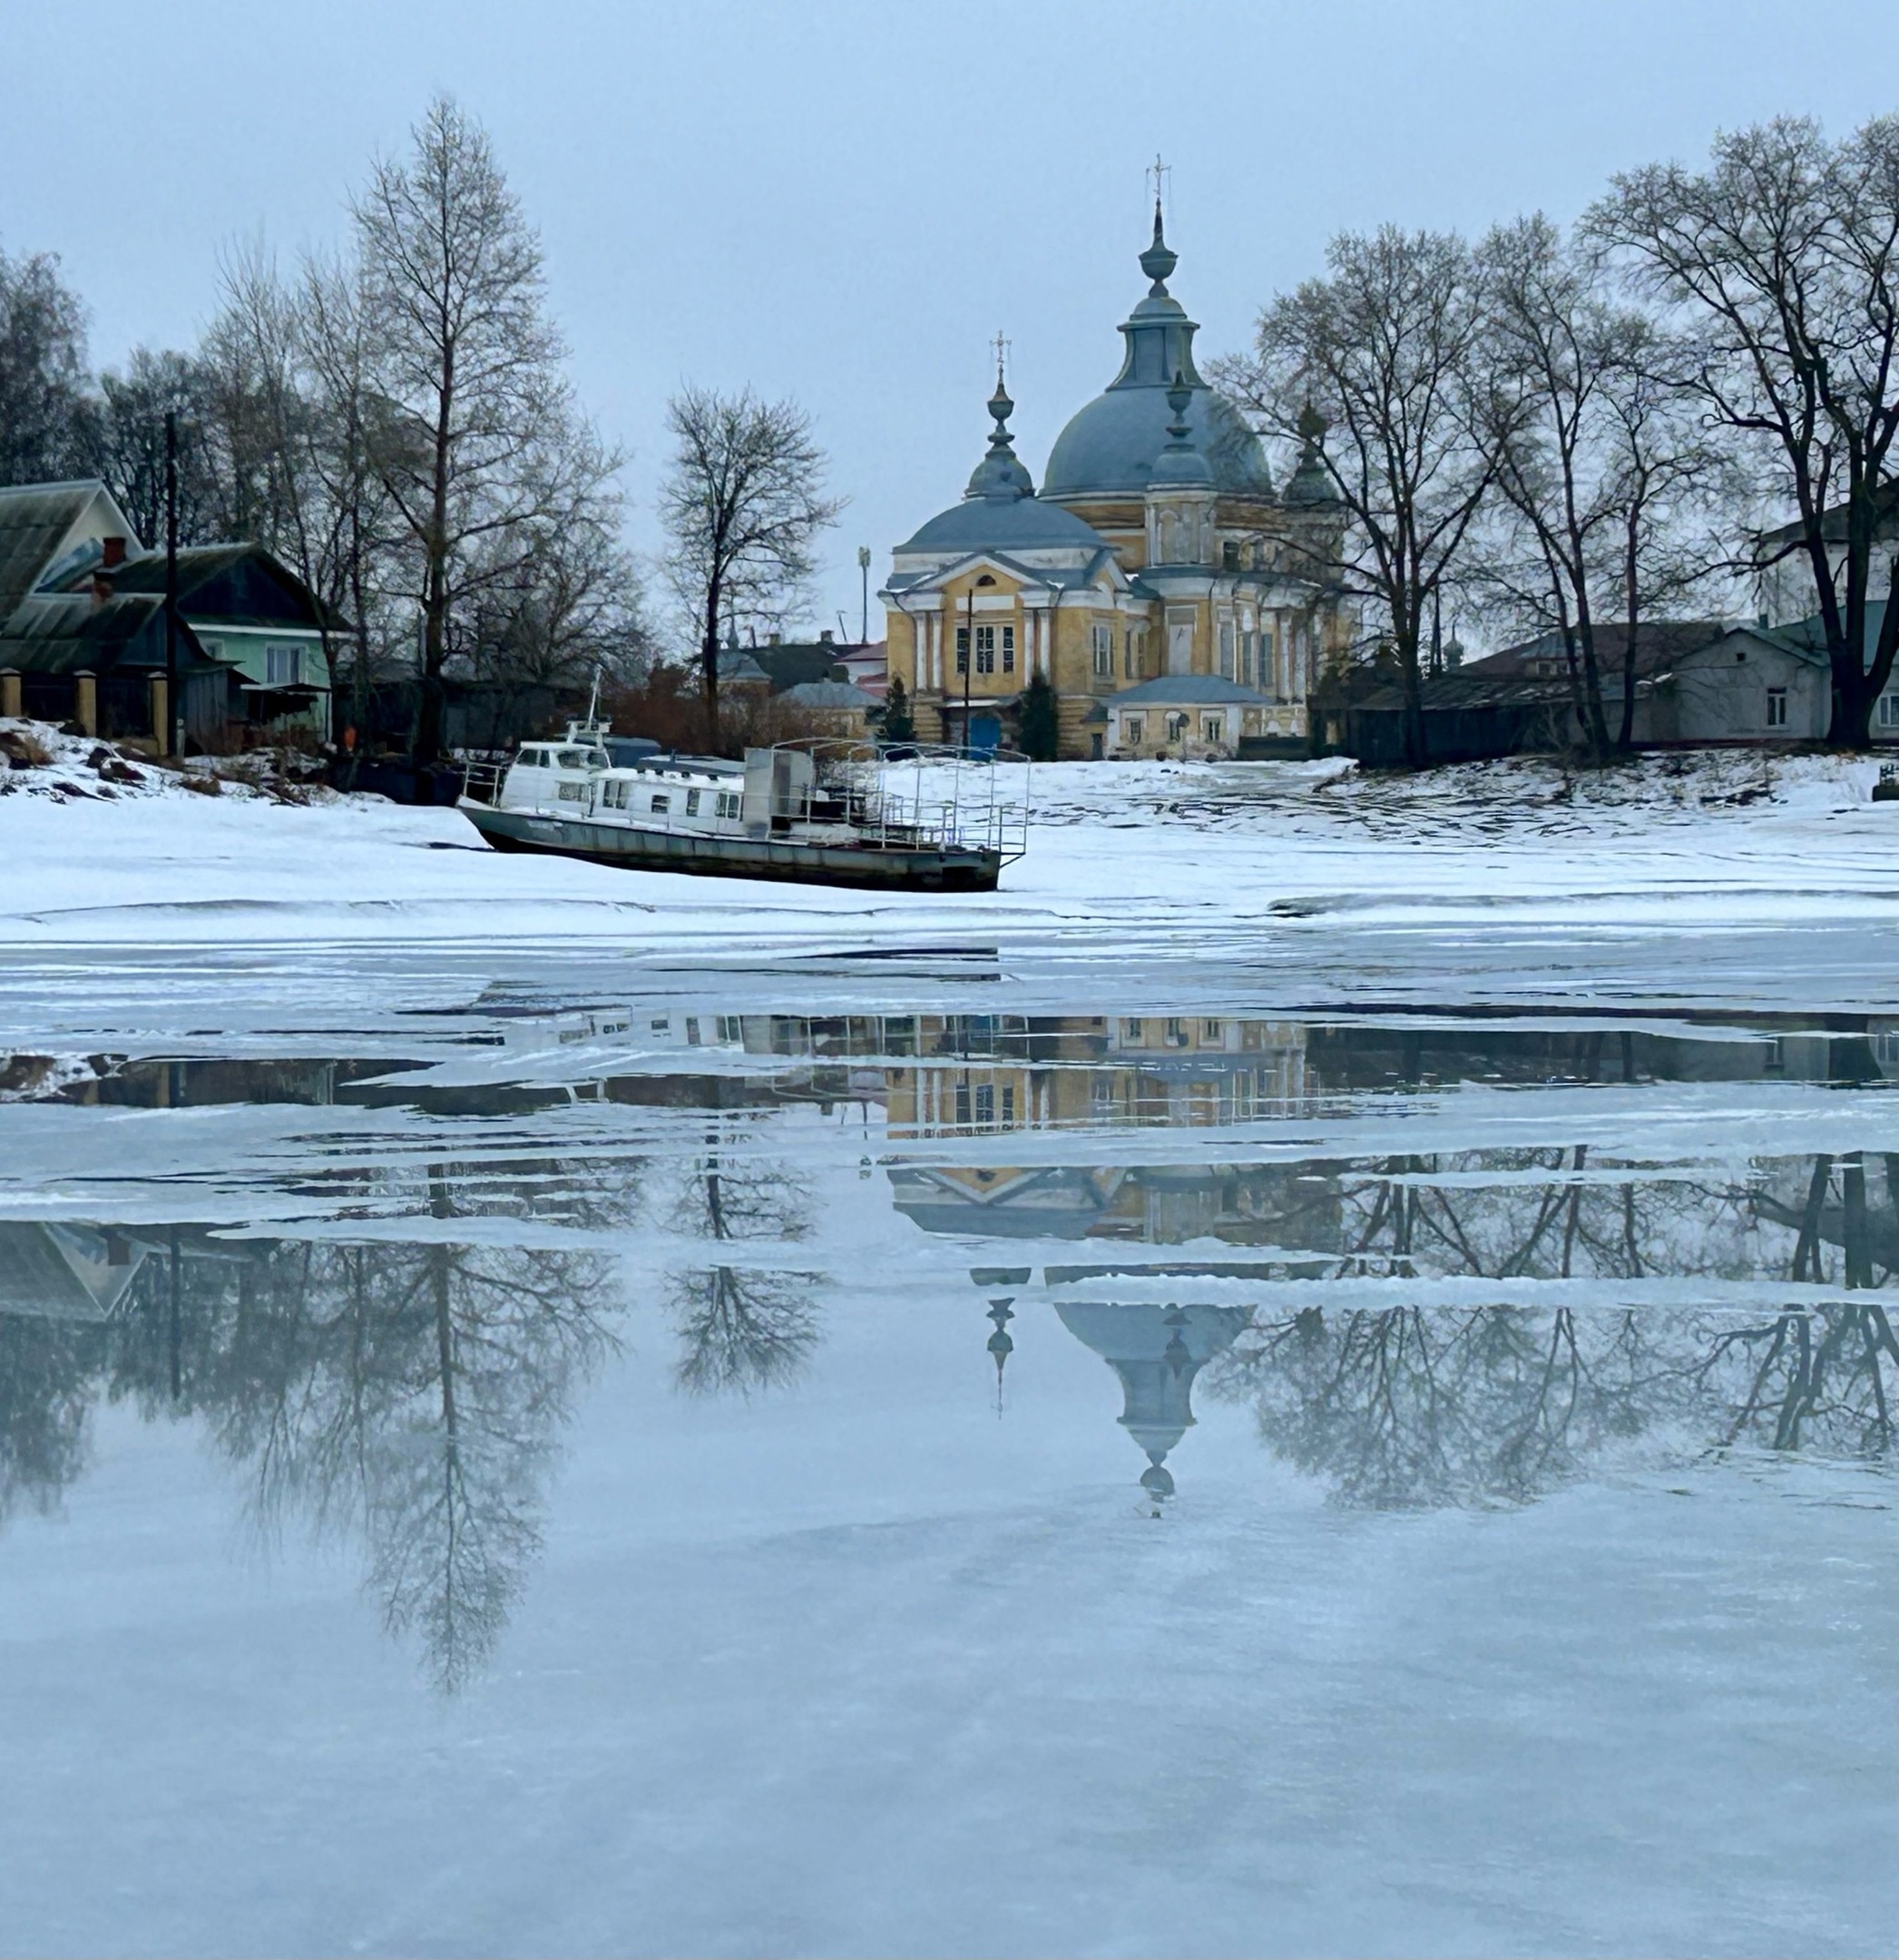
[{"x": 1001, "y": 348}]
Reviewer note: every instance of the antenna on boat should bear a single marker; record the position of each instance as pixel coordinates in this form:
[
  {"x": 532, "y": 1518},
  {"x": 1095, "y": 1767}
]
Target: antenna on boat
[{"x": 593, "y": 698}]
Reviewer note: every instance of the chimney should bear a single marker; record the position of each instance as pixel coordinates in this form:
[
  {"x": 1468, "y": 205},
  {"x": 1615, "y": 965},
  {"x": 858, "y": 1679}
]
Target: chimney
[
  {"x": 826, "y": 636},
  {"x": 774, "y": 639},
  {"x": 114, "y": 551}
]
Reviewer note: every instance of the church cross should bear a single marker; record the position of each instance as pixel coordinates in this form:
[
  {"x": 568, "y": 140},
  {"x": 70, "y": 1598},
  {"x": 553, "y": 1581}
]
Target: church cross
[
  {"x": 1001, "y": 348},
  {"x": 1159, "y": 172}
]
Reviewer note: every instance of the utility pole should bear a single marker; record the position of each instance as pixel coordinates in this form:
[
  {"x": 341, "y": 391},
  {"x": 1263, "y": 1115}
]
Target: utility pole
[
  {"x": 170, "y": 742},
  {"x": 969, "y": 659},
  {"x": 864, "y": 577}
]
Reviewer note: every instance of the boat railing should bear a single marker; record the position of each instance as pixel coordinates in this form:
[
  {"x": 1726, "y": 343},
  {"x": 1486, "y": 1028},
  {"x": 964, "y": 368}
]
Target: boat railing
[
  {"x": 482, "y": 778},
  {"x": 922, "y": 797}
]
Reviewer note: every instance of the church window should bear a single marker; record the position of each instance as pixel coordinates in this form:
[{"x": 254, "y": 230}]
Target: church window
[
  {"x": 985, "y": 1105},
  {"x": 1132, "y": 727},
  {"x": 1268, "y": 663},
  {"x": 1008, "y": 1104},
  {"x": 1135, "y": 651},
  {"x": 985, "y": 649},
  {"x": 1245, "y": 658},
  {"x": 1176, "y": 728},
  {"x": 1104, "y": 652},
  {"x": 1008, "y": 650},
  {"x": 963, "y": 650},
  {"x": 1226, "y": 650},
  {"x": 1213, "y": 727}
]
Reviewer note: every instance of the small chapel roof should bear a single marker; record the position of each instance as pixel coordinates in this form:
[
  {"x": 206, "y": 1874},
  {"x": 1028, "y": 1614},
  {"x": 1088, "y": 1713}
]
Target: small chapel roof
[{"x": 1000, "y": 509}]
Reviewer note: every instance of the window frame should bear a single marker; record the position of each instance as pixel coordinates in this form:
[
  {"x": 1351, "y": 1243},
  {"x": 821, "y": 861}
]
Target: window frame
[
  {"x": 1101, "y": 649},
  {"x": 985, "y": 650}
]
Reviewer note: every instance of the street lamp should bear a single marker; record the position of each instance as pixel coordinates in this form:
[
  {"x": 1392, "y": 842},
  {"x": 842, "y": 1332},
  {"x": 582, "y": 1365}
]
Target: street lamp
[{"x": 864, "y": 577}]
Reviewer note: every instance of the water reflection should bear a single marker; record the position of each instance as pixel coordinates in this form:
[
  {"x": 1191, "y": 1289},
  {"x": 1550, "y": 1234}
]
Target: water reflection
[
  {"x": 1518, "y": 1214},
  {"x": 942, "y": 1075},
  {"x": 407, "y": 1398}
]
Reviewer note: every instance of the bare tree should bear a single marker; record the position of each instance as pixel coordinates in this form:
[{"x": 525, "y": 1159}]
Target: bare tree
[
  {"x": 45, "y": 425},
  {"x": 1781, "y": 259},
  {"x": 1589, "y": 466},
  {"x": 743, "y": 504},
  {"x": 475, "y": 440},
  {"x": 1383, "y": 351}
]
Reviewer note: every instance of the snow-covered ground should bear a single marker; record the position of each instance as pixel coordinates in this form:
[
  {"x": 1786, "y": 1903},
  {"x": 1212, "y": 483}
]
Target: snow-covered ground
[{"x": 1719, "y": 878}]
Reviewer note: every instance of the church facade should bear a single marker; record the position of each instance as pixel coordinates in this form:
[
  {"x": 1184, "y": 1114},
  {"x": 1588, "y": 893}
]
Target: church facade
[{"x": 1176, "y": 603}]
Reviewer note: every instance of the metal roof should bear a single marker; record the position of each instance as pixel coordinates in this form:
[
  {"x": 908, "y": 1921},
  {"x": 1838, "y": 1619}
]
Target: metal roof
[{"x": 1193, "y": 691}]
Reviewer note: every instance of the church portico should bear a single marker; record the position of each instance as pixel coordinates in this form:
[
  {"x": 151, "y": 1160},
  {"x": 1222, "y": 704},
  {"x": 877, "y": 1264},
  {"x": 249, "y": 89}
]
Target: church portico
[{"x": 1157, "y": 548}]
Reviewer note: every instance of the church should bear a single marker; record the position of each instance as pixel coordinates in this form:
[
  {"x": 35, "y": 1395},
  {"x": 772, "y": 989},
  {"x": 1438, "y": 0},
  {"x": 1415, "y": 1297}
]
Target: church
[{"x": 1176, "y": 603}]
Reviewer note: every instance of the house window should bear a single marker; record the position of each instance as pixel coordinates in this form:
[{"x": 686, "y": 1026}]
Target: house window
[
  {"x": 1226, "y": 650},
  {"x": 1212, "y": 1031},
  {"x": 1885, "y": 713},
  {"x": 1131, "y": 1031},
  {"x": 1132, "y": 728},
  {"x": 1777, "y": 707},
  {"x": 963, "y": 650},
  {"x": 985, "y": 649},
  {"x": 283, "y": 666},
  {"x": 986, "y": 1105},
  {"x": 1213, "y": 727},
  {"x": 1176, "y": 728},
  {"x": 1176, "y": 1036},
  {"x": 1008, "y": 650},
  {"x": 1104, "y": 653}
]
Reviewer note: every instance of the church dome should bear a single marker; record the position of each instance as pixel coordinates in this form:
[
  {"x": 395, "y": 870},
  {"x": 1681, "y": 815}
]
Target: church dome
[
  {"x": 1109, "y": 448},
  {"x": 1000, "y": 510}
]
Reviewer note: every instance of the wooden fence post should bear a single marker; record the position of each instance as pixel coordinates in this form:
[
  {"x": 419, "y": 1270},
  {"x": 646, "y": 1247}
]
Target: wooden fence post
[
  {"x": 86, "y": 701},
  {"x": 10, "y": 693}
]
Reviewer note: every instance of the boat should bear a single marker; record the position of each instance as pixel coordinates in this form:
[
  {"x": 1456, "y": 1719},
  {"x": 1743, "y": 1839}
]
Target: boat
[{"x": 811, "y": 812}]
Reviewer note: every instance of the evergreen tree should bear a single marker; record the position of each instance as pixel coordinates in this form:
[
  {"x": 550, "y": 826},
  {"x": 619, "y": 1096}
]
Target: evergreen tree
[
  {"x": 1038, "y": 719},
  {"x": 898, "y": 725}
]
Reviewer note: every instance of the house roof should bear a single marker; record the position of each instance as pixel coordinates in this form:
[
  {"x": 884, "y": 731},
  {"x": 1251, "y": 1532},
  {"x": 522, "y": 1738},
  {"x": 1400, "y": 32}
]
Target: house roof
[
  {"x": 254, "y": 582},
  {"x": 829, "y": 694},
  {"x": 72, "y": 632},
  {"x": 1190, "y": 690},
  {"x": 1833, "y": 523},
  {"x": 790, "y": 662},
  {"x": 35, "y": 519},
  {"x": 1660, "y": 645}
]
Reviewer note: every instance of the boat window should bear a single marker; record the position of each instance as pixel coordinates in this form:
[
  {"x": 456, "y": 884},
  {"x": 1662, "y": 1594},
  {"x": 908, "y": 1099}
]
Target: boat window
[
  {"x": 573, "y": 758},
  {"x": 596, "y": 758},
  {"x": 693, "y": 802},
  {"x": 571, "y": 793},
  {"x": 728, "y": 806},
  {"x": 660, "y": 804}
]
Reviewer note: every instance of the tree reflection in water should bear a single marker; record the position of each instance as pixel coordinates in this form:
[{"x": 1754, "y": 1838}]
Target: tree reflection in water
[
  {"x": 741, "y": 1327},
  {"x": 1416, "y": 1407},
  {"x": 407, "y": 1395}
]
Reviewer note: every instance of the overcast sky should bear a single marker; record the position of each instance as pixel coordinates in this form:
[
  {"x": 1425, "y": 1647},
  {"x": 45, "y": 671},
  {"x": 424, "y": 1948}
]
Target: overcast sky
[{"x": 844, "y": 203}]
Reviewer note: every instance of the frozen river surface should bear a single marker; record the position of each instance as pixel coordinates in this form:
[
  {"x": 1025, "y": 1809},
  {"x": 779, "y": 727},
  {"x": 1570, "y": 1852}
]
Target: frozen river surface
[{"x": 1287, "y": 1444}]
